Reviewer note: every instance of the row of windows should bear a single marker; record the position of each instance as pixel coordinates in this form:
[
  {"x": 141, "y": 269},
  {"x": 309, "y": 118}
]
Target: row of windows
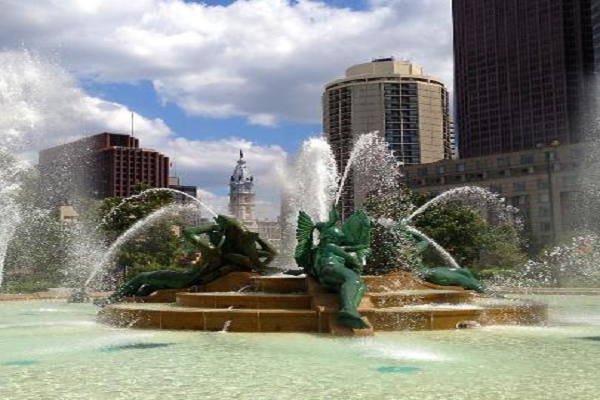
[
  {"x": 521, "y": 186},
  {"x": 526, "y": 159}
]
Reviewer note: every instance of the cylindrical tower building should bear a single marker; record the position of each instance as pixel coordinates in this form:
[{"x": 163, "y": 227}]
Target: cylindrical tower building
[{"x": 410, "y": 110}]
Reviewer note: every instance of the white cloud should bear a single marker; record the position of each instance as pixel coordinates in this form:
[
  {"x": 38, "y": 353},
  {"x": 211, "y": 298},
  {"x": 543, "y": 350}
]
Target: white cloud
[
  {"x": 217, "y": 204},
  {"x": 263, "y": 119},
  {"x": 41, "y": 105},
  {"x": 266, "y": 60},
  {"x": 210, "y": 163}
]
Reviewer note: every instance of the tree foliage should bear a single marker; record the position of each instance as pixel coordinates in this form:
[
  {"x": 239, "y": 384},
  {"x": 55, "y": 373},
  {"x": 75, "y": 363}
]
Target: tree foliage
[
  {"x": 462, "y": 231},
  {"x": 154, "y": 248},
  {"x": 118, "y": 215}
]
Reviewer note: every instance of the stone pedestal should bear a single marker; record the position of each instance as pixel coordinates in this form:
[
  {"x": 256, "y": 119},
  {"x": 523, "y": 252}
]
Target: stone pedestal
[{"x": 245, "y": 302}]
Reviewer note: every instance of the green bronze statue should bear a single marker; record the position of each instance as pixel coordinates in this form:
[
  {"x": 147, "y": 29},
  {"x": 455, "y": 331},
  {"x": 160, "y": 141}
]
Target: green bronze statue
[
  {"x": 445, "y": 276},
  {"x": 337, "y": 260},
  {"x": 230, "y": 247}
]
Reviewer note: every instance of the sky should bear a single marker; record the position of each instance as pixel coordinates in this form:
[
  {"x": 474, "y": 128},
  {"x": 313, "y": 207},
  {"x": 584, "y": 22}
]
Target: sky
[{"x": 204, "y": 79}]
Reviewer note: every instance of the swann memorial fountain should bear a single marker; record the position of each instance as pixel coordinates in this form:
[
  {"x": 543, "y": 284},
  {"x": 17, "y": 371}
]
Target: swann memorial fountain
[{"x": 233, "y": 287}]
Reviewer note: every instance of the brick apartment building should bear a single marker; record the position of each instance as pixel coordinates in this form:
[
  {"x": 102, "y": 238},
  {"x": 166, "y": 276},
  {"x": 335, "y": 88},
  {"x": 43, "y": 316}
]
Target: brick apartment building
[{"x": 99, "y": 166}]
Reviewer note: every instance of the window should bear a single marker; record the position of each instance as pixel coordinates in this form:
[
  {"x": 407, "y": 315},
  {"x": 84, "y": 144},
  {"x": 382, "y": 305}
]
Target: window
[
  {"x": 526, "y": 159},
  {"x": 545, "y": 226},
  {"x": 504, "y": 162},
  {"x": 544, "y": 198},
  {"x": 544, "y": 211},
  {"x": 551, "y": 156},
  {"x": 462, "y": 167},
  {"x": 542, "y": 183},
  {"x": 440, "y": 169},
  {"x": 517, "y": 201},
  {"x": 422, "y": 172},
  {"x": 523, "y": 200},
  {"x": 519, "y": 186}
]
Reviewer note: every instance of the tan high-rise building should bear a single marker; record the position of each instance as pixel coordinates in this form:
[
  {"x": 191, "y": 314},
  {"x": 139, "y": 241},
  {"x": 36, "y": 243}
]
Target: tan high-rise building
[{"x": 408, "y": 108}]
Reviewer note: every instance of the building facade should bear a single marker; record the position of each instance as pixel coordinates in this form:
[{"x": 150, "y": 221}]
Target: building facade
[
  {"x": 241, "y": 194},
  {"x": 522, "y": 73},
  {"x": 242, "y": 204},
  {"x": 543, "y": 183},
  {"x": 270, "y": 231},
  {"x": 190, "y": 190},
  {"x": 596, "y": 33},
  {"x": 189, "y": 219},
  {"x": 453, "y": 141},
  {"x": 408, "y": 108},
  {"x": 100, "y": 166}
]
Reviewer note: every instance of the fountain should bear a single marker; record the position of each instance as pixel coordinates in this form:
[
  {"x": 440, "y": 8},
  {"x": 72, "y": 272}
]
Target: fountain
[
  {"x": 10, "y": 170},
  {"x": 397, "y": 301}
]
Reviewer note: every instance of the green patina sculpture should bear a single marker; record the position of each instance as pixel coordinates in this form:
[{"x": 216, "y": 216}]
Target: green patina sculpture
[
  {"x": 337, "y": 260},
  {"x": 445, "y": 276},
  {"x": 230, "y": 247}
]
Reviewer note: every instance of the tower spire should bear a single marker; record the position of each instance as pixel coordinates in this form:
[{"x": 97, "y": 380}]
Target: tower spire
[{"x": 241, "y": 193}]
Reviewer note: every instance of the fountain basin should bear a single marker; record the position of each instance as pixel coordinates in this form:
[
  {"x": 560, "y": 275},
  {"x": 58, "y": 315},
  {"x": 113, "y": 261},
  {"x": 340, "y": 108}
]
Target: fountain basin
[
  {"x": 61, "y": 345},
  {"x": 395, "y": 302}
]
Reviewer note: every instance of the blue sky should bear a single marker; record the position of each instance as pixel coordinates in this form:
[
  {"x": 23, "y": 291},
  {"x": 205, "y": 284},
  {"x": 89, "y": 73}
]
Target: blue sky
[
  {"x": 353, "y": 4},
  {"x": 204, "y": 79},
  {"x": 141, "y": 98}
]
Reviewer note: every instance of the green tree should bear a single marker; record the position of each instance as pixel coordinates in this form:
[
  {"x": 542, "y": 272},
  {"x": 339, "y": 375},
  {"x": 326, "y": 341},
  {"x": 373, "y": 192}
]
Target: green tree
[
  {"x": 116, "y": 215},
  {"x": 154, "y": 248},
  {"x": 391, "y": 249},
  {"x": 462, "y": 231}
]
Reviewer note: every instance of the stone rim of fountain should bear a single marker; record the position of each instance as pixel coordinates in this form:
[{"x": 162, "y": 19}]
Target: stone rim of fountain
[{"x": 298, "y": 304}]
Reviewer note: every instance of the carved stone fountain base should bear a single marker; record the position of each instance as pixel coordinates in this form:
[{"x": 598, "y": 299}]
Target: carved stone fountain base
[{"x": 244, "y": 302}]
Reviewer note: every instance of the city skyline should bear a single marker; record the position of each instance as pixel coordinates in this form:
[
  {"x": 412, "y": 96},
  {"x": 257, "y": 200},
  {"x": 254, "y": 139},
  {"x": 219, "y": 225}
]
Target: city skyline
[{"x": 168, "y": 63}]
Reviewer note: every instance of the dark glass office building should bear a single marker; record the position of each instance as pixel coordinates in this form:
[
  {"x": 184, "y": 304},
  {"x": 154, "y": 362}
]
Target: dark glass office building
[
  {"x": 523, "y": 73},
  {"x": 596, "y": 30}
]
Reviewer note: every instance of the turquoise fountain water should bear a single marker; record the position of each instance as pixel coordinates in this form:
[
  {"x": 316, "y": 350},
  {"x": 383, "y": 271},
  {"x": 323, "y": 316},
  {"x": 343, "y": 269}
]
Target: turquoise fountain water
[{"x": 58, "y": 349}]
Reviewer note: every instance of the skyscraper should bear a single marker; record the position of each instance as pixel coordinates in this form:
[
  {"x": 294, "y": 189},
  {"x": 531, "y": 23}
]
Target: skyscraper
[
  {"x": 408, "y": 108},
  {"x": 522, "y": 73},
  {"x": 99, "y": 166}
]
